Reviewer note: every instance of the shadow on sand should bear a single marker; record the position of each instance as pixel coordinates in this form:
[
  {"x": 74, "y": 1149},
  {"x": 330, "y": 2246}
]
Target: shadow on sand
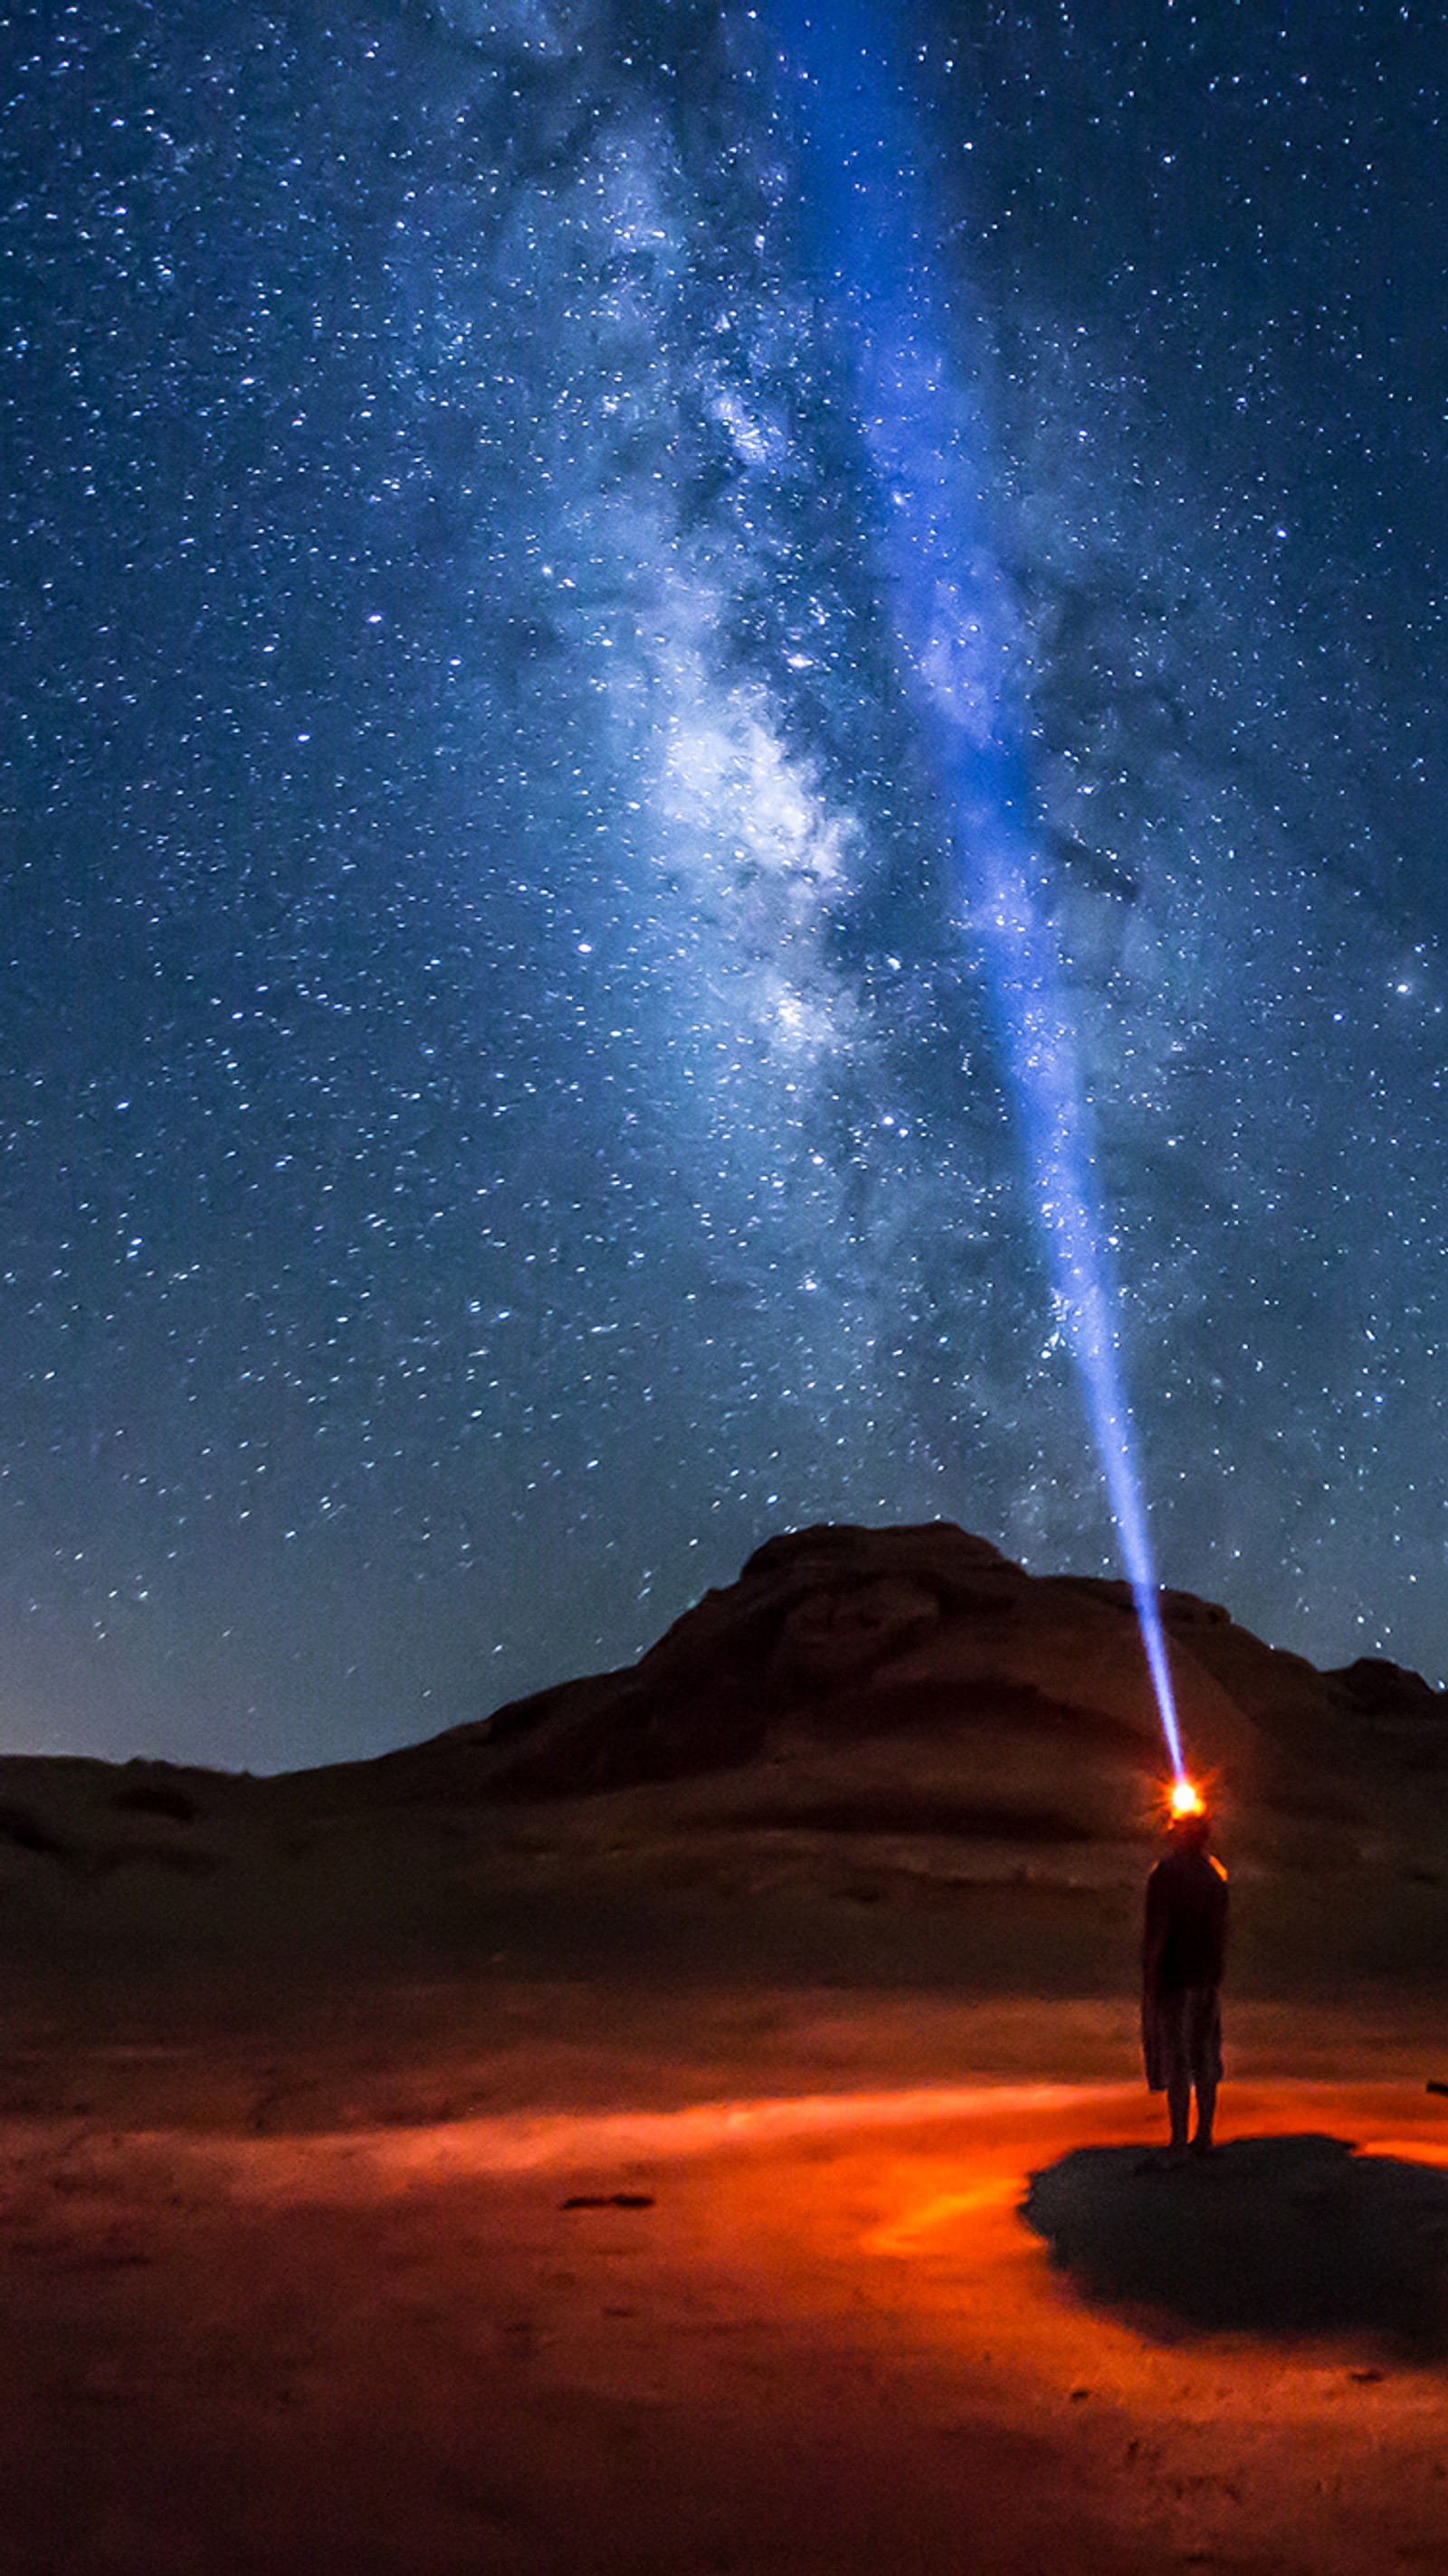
[{"x": 1272, "y": 2236}]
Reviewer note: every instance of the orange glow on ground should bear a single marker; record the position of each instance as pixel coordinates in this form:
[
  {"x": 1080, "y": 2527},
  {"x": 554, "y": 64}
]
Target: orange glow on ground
[{"x": 816, "y": 2334}]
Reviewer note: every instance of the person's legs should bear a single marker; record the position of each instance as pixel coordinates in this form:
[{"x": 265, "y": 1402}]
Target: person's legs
[
  {"x": 1179, "y": 2104},
  {"x": 1204, "y": 2050}
]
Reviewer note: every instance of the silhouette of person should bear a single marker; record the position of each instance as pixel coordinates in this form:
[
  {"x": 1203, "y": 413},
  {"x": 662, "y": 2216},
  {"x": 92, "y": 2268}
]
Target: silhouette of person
[{"x": 1181, "y": 1977}]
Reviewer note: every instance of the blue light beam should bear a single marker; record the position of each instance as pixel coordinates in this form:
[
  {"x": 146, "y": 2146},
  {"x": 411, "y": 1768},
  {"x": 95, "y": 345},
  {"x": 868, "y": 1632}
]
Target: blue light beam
[{"x": 962, "y": 657}]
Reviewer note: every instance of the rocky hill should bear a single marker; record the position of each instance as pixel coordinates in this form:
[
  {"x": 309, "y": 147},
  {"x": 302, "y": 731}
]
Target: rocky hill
[
  {"x": 875, "y": 1667},
  {"x": 896, "y": 1721}
]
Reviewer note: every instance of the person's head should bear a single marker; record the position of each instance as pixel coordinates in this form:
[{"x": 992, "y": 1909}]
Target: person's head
[{"x": 1191, "y": 1832}]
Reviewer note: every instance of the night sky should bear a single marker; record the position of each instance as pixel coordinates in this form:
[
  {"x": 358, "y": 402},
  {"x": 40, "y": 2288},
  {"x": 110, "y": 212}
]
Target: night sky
[{"x": 499, "y": 1108}]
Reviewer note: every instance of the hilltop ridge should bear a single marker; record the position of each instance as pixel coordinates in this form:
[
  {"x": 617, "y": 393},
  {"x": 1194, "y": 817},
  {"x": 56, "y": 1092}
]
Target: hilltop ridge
[{"x": 879, "y": 1752}]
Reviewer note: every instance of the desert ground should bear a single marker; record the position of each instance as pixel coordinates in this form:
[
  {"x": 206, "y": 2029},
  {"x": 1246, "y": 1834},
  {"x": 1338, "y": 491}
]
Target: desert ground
[{"x": 725, "y": 2155}]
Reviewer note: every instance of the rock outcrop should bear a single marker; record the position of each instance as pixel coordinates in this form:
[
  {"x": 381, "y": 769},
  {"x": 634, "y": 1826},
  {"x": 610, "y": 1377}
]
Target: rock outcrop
[
  {"x": 899, "y": 1719},
  {"x": 901, "y": 1655}
]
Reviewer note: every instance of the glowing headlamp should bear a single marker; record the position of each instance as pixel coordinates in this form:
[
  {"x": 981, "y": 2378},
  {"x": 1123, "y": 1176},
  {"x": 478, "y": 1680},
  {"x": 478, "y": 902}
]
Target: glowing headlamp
[{"x": 1186, "y": 1799}]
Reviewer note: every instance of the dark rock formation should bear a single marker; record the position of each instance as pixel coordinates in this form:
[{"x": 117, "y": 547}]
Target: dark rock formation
[
  {"x": 908, "y": 1689},
  {"x": 843, "y": 1634},
  {"x": 1381, "y": 1689}
]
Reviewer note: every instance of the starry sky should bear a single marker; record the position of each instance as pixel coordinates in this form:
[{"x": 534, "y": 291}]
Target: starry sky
[{"x": 499, "y": 1106}]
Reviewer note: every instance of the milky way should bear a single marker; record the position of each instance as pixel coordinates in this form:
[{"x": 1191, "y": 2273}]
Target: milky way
[{"x": 499, "y": 1109}]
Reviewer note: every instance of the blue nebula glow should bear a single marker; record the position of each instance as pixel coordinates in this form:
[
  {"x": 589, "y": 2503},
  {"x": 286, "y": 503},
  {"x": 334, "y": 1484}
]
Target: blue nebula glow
[{"x": 962, "y": 654}]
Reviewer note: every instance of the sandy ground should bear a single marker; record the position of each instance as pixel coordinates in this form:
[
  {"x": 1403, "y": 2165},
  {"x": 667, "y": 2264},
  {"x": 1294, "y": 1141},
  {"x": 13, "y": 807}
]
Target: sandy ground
[{"x": 314, "y": 2294}]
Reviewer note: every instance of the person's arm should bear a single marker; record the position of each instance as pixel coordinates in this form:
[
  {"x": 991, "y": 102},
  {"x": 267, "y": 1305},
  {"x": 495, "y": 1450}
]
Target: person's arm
[
  {"x": 1219, "y": 1923},
  {"x": 1154, "y": 1935}
]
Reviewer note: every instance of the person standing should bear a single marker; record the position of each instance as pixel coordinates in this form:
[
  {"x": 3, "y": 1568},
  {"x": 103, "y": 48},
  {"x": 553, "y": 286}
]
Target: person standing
[{"x": 1183, "y": 1951}]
